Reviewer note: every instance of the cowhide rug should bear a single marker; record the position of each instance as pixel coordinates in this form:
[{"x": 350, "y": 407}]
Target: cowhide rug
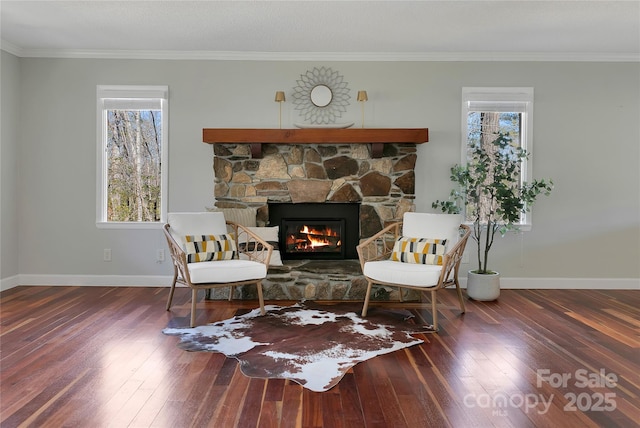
[{"x": 310, "y": 344}]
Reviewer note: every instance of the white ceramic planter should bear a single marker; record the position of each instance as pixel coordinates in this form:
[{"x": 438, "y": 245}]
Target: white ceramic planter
[{"x": 483, "y": 287}]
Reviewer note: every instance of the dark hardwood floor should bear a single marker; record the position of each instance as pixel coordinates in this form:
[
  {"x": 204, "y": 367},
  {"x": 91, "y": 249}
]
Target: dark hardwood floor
[{"x": 96, "y": 357}]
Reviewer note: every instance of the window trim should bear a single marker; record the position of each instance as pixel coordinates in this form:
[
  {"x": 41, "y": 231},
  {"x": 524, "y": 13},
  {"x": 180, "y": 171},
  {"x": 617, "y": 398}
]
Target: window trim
[
  {"x": 521, "y": 98},
  {"x": 133, "y": 94}
]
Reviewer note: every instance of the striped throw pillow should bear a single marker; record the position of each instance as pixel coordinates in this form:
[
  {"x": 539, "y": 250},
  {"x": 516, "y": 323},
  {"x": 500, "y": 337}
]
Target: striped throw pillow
[
  {"x": 419, "y": 250},
  {"x": 206, "y": 248}
]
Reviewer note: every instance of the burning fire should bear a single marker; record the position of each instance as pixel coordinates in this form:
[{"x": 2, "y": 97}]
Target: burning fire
[
  {"x": 326, "y": 231},
  {"x": 310, "y": 239}
]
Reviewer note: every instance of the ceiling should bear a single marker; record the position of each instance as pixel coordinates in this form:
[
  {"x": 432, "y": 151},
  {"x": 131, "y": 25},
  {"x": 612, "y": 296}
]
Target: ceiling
[{"x": 324, "y": 30}]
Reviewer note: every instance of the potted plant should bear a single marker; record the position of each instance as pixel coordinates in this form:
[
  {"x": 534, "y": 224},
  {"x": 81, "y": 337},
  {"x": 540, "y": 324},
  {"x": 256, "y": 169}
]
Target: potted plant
[{"x": 490, "y": 187}]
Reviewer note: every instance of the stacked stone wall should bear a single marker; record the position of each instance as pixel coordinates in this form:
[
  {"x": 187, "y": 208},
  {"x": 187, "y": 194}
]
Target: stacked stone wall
[{"x": 385, "y": 187}]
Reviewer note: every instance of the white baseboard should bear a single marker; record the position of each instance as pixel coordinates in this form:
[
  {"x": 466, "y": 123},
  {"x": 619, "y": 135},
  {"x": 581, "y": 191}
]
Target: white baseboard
[
  {"x": 566, "y": 283},
  {"x": 165, "y": 281},
  {"x": 99, "y": 280},
  {"x": 9, "y": 282}
]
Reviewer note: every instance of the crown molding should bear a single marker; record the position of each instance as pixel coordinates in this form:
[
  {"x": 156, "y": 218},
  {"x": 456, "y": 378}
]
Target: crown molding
[
  {"x": 321, "y": 56},
  {"x": 11, "y": 48}
]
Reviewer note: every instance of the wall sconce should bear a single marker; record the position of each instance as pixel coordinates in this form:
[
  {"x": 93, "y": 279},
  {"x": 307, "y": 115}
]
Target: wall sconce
[
  {"x": 362, "y": 97},
  {"x": 280, "y": 99}
]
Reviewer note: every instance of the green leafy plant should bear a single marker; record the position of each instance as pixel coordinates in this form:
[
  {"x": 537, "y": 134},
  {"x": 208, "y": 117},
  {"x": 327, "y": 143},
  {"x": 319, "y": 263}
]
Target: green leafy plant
[{"x": 490, "y": 188}]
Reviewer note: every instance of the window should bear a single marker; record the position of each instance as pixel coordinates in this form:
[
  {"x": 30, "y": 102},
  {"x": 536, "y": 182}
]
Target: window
[
  {"x": 132, "y": 156},
  {"x": 488, "y": 114}
]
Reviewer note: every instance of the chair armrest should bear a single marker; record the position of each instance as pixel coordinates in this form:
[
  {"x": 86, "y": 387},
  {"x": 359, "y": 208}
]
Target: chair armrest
[
  {"x": 251, "y": 245},
  {"x": 453, "y": 257},
  {"x": 380, "y": 245},
  {"x": 178, "y": 256}
]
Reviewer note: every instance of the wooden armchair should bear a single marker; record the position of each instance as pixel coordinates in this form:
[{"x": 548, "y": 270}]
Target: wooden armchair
[
  {"x": 208, "y": 252},
  {"x": 419, "y": 265}
]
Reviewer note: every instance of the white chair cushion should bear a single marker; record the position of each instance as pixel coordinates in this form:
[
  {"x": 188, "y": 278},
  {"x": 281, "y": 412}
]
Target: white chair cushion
[
  {"x": 434, "y": 226},
  {"x": 270, "y": 234},
  {"x": 200, "y": 223},
  {"x": 275, "y": 260},
  {"x": 226, "y": 271},
  {"x": 417, "y": 275}
]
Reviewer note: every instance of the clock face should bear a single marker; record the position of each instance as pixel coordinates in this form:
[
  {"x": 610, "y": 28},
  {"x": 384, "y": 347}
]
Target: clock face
[{"x": 321, "y": 96}]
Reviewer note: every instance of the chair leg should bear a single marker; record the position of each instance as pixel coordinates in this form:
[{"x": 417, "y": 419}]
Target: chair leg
[
  {"x": 460, "y": 298},
  {"x": 260, "y": 297},
  {"x": 173, "y": 287},
  {"x": 434, "y": 309},
  {"x": 366, "y": 298},
  {"x": 231, "y": 292},
  {"x": 194, "y": 300}
]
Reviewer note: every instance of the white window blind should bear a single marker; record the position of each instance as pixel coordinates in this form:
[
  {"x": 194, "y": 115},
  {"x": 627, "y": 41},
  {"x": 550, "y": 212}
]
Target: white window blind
[{"x": 518, "y": 100}]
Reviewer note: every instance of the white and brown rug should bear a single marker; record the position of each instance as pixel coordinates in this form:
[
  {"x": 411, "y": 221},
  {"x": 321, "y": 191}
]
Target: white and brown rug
[{"x": 310, "y": 344}]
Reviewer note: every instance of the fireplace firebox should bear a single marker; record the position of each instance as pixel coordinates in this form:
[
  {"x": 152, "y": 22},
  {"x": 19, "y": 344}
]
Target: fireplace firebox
[
  {"x": 304, "y": 237},
  {"x": 316, "y": 231}
]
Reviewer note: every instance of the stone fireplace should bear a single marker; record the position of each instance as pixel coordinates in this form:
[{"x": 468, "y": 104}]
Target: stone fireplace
[
  {"x": 317, "y": 231},
  {"x": 379, "y": 181}
]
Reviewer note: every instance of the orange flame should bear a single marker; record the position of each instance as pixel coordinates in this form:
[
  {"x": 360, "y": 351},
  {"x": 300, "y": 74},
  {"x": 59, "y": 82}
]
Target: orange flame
[{"x": 315, "y": 237}]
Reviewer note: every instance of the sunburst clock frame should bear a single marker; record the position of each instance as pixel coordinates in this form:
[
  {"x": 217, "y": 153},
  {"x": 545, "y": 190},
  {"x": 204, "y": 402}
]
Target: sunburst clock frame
[{"x": 321, "y": 95}]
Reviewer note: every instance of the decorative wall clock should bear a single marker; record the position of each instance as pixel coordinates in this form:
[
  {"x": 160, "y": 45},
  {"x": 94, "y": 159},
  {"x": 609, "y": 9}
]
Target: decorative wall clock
[{"x": 321, "y": 95}]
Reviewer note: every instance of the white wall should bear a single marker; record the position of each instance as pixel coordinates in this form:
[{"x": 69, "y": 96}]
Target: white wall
[
  {"x": 586, "y": 138},
  {"x": 9, "y": 109}
]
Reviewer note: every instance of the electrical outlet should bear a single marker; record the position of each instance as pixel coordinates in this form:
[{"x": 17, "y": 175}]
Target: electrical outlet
[
  {"x": 160, "y": 255},
  {"x": 106, "y": 256}
]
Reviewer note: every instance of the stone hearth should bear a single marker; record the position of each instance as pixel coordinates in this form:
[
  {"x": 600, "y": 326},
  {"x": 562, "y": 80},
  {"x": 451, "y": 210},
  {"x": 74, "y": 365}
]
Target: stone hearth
[
  {"x": 306, "y": 279},
  {"x": 331, "y": 173}
]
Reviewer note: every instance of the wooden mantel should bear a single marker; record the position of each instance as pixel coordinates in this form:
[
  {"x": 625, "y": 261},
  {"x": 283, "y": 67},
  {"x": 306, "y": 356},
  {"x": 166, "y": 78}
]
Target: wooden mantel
[{"x": 374, "y": 136}]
